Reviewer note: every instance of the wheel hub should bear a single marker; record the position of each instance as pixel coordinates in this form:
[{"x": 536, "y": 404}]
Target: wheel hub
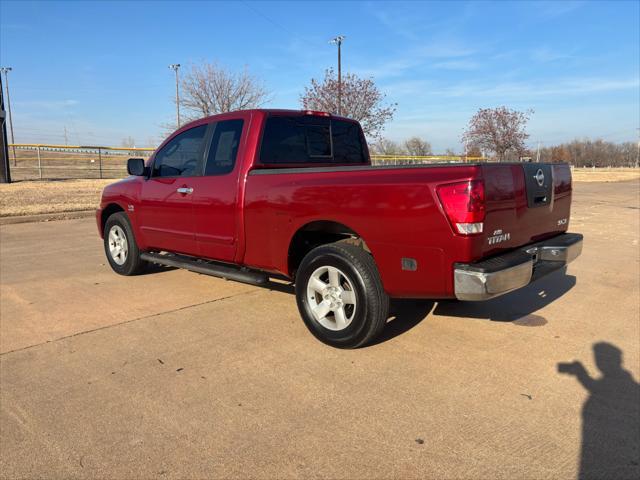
[
  {"x": 331, "y": 297},
  {"x": 118, "y": 246}
]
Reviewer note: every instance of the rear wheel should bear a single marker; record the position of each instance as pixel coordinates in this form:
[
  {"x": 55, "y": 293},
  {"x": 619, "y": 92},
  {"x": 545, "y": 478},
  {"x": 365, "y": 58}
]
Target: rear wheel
[
  {"x": 120, "y": 246},
  {"x": 340, "y": 295}
]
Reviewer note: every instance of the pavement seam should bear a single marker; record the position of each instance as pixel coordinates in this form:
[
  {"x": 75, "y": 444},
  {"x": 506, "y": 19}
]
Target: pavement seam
[{"x": 128, "y": 321}]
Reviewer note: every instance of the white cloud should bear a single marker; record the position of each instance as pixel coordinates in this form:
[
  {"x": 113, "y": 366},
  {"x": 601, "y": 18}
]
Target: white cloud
[
  {"x": 554, "y": 8},
  {"x": 523, "y": 90},
  {"x": 450, "y": 54},
  {"x": 512, "y": 90},
  {"x": 546, "y": 54}
]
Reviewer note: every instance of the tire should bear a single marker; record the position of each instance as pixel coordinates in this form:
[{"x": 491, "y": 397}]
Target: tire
[
  {"x": 335, "y": 277},
  {"x": 120, "y": 246}
]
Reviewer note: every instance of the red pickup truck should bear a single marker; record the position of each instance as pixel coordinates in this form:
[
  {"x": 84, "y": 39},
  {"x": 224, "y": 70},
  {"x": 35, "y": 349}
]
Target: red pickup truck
[{"x": 260, "y": 194}]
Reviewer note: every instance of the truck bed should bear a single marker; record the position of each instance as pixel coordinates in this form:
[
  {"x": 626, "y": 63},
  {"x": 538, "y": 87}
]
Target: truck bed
[{"x": 396, "y": 211}]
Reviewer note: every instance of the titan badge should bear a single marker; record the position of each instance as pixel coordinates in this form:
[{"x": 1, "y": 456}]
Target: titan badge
[{"x": 498, "y": 237}]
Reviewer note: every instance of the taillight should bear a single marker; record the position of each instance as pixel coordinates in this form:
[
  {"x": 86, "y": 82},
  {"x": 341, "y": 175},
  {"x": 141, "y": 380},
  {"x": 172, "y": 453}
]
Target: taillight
[
  {"x": 316, "y": 113},
  {"x": 464, "y": 205},
  {"x": 561, "y": 179}
]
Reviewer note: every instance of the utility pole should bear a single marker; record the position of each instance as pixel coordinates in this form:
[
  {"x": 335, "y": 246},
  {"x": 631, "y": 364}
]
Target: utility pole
[
  {"x": 5, "y": 165},
  {"x": 6, "y": 71},
  {"x": 338, "y": 41},
  {"x": 66, "y": 139},
  {"x": 175, "y": 67},
  {"x": 538, "y": 153}
]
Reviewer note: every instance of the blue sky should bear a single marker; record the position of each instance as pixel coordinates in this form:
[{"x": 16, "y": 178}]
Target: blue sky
[{"x": 100, "y": 68}]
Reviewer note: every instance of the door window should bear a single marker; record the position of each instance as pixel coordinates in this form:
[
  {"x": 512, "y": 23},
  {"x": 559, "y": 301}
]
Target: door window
[
  {"x": 224, "y": 147},
  {"x": 181, "y": 156}
]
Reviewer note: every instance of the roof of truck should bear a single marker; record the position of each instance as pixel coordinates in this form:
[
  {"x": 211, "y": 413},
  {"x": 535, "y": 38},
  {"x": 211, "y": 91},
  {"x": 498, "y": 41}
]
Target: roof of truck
[{"x": 280, "y": 111}]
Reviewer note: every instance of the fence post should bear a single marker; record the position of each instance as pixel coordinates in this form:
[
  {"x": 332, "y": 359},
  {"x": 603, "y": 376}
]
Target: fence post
[
  {"x": 39, "y": 162},
  {"x": 100, "y": 160}
]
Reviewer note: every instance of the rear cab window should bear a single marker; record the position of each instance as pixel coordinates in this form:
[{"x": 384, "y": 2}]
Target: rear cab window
[{"x": 312, "y": 139}]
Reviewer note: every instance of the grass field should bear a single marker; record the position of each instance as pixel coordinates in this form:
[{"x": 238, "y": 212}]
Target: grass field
[
  {"x": 59, "y": 196},
  {"x": 34, "y": 197},
  {"x": 605, "y": 174}
]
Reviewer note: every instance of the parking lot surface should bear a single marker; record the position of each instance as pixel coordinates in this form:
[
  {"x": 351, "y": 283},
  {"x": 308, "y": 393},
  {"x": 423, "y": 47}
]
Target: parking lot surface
[{"x": 178, "y": 375}]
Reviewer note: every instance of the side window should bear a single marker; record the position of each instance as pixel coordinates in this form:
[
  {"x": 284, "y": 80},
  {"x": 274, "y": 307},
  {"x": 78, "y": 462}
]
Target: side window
[
  {"x": 181, "y": 156},
  {"x": 224, "y": 147}
]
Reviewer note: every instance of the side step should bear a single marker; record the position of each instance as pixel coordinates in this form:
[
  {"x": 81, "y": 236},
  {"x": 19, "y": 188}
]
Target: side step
[{"x": 207, "y": 268}]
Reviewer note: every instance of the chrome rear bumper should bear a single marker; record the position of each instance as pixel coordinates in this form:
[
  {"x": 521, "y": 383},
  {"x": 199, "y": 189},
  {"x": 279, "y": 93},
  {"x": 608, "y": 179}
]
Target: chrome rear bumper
[{"x": 498, "y": 275}]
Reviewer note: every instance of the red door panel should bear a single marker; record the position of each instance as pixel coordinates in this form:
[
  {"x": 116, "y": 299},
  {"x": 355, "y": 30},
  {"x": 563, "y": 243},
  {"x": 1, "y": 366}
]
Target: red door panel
[
  {"x": 214, "y": 213},
  {"x": 166, "y": 215},
  {"x": 215, "y": 195}
]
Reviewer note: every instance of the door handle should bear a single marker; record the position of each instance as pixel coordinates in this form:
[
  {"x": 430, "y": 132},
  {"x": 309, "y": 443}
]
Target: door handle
[{"x": 185, "y": 190}]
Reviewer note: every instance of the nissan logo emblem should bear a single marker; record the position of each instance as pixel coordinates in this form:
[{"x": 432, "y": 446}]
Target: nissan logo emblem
[{"x": 539, "y": 176}]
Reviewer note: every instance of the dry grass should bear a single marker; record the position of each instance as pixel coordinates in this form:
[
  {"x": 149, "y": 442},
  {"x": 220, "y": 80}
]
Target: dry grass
[
  {"x": 605, "y": 174},
  {"x": 59, "y": 196},
  {"x": 33, "y": 197}
]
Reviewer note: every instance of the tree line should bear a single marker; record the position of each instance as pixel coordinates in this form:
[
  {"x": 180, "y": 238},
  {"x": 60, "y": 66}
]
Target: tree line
[{"x": 592, "y": 153}]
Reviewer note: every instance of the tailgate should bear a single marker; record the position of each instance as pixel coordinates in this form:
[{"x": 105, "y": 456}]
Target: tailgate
[{"x": 525, "y": 203}]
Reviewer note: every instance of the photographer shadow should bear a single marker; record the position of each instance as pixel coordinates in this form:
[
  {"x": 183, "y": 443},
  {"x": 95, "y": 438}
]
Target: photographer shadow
[
  {"x": 610, "y": 417},
  {"x": 517, "y": 306}
]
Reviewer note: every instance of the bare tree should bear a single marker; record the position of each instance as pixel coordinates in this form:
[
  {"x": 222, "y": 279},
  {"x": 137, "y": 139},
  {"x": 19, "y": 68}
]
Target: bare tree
[
  {"x": 128, "y": 142},
  {"x": 384, "y": 146},
  {"x": 417, "y": 146},
  {"x": 499, "y": 130},
  {"x": 473, "y": 151},
  {"x": 449, "y": 152},
  {"x": 362, "y": 100},
  {"x": 208, "y": 89}
]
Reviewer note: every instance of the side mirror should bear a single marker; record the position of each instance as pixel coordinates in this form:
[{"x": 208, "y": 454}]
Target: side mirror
[{"x": 135, "y": 166}]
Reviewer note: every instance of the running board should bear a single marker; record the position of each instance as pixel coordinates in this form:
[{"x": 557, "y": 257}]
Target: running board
[{"x": 207, "y": 268}]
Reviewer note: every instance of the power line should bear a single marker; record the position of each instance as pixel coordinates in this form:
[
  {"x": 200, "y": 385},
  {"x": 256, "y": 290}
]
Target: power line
[{"x": 277, "y": 24}]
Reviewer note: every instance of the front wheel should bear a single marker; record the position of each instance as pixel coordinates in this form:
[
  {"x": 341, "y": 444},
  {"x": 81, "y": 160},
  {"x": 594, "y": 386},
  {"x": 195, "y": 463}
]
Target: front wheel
[
  {"x": 340, "y": 295},
  {"x": 120, "y": 246}
]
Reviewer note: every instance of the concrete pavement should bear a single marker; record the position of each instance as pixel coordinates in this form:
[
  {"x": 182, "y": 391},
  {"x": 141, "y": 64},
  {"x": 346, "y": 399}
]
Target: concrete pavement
[{"x": 179, "y": 375}]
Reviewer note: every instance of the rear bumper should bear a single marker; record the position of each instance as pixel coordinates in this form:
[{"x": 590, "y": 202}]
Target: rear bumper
[{"x": 498, "y": 275}]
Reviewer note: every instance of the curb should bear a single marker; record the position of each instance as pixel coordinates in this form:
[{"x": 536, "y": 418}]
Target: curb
[{"x": 46, "y": 217}]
